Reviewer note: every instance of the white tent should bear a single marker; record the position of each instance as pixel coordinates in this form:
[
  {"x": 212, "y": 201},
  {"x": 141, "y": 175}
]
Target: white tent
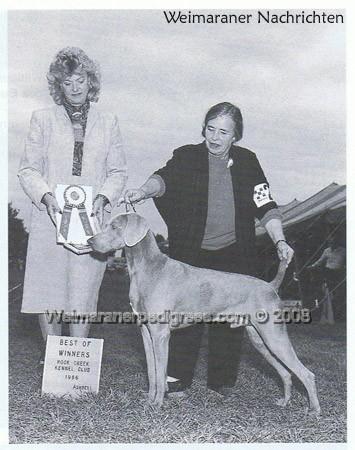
[{"x": 331, "y": 198}]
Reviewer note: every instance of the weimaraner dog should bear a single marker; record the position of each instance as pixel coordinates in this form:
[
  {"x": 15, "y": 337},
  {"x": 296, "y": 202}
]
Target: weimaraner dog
[{"x": 160, "y": 284}]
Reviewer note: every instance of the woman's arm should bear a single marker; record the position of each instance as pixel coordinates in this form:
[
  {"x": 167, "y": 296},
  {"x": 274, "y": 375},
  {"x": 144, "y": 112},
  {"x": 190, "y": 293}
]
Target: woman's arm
[
  {"x": 157, "y": 184},
  {"x": 32, "y": 163},
  {"x": 267, "y": 212},
  {"x": 322, "y": 260},
  {"x": 116, "y": 167},
  {"x": 153, "y": 187},
  {"x": 275, "y": 231}
]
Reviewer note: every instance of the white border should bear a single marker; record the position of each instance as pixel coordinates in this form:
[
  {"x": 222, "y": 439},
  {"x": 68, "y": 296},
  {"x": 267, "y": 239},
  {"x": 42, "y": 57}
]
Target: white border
[
  {"x": 3, "y": 232},
  {"x": 195, "y": 4}
]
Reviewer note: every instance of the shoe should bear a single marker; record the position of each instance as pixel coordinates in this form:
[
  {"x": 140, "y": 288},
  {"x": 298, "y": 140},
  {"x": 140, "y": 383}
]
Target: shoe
[
  {"x": 224, "y": 391},
  {"x": 177, "y": 389}
]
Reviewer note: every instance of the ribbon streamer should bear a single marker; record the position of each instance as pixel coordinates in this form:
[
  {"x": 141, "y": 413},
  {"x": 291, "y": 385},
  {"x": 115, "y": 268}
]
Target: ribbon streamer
[{"x": 74, "y": 197}]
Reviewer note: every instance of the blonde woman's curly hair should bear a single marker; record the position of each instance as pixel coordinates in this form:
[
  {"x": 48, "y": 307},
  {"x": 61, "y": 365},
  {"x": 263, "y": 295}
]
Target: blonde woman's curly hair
[{"x": 66, "y": 62}]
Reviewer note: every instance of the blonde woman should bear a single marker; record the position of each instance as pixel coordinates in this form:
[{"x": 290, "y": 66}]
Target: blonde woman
[{"x": 71, "y": 143}]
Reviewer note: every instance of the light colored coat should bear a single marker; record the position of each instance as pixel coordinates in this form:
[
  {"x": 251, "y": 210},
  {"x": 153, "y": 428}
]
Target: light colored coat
[{"x": 57, "y": 279}]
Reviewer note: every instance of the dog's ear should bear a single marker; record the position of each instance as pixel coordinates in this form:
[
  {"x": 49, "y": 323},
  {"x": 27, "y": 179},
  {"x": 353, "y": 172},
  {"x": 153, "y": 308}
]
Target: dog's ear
[{"x": 135, "y": 230}]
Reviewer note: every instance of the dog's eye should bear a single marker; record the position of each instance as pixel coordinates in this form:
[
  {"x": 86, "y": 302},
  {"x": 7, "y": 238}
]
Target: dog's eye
[{"x": 114, "y": 226}]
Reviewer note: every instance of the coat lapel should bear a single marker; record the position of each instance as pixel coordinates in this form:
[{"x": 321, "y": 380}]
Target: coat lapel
[
  {"x": 63, "y": 118},
  {"x": 200, "y": 194},
  {"x": 92, "y": 118},
  {"x": 235, "y": 171},
  {"x": 67, "y": 136},
  {"x": 63, "y": 138},
  {"x": 202, "y": 172}
]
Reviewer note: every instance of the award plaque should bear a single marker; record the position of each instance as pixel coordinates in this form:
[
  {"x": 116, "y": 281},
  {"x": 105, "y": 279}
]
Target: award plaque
[
  {"x": 72, "y": 366},
  {"x": 75, "y": 225}
]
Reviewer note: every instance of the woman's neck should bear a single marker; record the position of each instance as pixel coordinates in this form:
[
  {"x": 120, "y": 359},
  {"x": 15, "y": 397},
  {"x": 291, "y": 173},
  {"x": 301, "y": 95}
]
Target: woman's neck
[
  {"x": 70, "y": 105},
  {"x": 223, "y": 156}
]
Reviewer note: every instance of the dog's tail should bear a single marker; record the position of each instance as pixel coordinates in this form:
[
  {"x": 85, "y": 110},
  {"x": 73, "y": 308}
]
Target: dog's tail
[{"x": 276, "y": 282}]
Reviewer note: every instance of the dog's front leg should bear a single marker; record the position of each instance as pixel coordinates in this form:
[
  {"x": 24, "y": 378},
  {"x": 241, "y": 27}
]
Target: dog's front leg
[
  {"x": 151, "y": 367},
  {"x": 160, "y": 335}
]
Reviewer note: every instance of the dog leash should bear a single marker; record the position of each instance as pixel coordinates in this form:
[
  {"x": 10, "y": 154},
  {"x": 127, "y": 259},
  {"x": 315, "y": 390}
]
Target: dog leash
[{"x": 130, "y": 205}]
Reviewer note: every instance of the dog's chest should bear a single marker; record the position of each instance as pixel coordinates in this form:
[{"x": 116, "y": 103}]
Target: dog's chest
[{"x": 136, "y": 296}]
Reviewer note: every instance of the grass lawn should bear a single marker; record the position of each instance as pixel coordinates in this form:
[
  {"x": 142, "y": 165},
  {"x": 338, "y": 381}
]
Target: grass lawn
[{"x": 120, "y": 412}]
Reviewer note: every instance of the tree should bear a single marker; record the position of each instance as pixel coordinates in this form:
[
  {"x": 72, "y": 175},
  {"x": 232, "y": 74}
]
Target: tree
[{"x": 17, "y": 235}]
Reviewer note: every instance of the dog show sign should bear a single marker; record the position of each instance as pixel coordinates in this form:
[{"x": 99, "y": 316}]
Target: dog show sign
[{"x": 72, "y": 366}]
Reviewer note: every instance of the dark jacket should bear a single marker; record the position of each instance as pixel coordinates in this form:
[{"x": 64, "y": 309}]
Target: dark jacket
[{"x": 184, "y": 203}]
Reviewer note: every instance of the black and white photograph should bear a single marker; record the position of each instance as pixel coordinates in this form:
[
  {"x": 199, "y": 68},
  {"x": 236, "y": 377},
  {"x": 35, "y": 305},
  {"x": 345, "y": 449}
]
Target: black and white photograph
[{"x": 177, "y": 226}]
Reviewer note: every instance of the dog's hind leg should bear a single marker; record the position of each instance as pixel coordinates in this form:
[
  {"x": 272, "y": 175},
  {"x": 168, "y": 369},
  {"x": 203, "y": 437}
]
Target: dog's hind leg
[
  {"x": 285, "y": 375},
  {"x": 151, "y": 364},
  {"x": 276, "y": 339}
]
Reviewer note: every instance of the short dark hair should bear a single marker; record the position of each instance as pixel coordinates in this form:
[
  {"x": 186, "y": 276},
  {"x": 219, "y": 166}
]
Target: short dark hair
[
  {"x": 225, "y": 109},
  {"x": 66, "y": 62}
]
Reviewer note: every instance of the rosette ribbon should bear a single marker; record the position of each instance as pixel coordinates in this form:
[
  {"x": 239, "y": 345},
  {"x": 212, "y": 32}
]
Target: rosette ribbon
[{"x": 74, "y": 197}]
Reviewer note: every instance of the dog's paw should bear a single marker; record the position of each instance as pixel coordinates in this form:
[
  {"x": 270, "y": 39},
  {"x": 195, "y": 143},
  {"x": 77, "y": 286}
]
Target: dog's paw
[
  {"x": 282, "y": 402},
  {"x": 158, "y": 402},
  {"x": 313, "y": 412},
  {"x": 151, "y": 396}
]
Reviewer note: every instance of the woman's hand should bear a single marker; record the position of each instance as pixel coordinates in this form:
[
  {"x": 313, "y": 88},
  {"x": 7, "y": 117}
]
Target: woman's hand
[
  {"x": 132, "y": 196},
  {"x": 284, "y": 251},
  {"x": 52, "y": 206}
]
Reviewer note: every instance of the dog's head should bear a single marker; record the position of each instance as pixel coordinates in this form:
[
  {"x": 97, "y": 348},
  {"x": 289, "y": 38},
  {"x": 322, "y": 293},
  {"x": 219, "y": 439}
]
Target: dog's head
[{"x": 123, "y": 230}]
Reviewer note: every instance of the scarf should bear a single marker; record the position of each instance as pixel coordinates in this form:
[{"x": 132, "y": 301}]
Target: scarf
[{"x": 78, "y": 116}]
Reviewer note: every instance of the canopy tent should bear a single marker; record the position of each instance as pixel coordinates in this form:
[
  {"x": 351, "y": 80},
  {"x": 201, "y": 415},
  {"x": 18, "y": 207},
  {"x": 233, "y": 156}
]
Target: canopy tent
[
  {"x": 330, "y": 200},
  {"x": 308, "y": 225}
]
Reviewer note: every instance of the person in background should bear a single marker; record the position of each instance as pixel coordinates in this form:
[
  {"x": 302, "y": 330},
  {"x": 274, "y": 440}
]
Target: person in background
[
  {"x": 209, "y": 195},
  {"x": 332, "y": 263},
  {"x": 71, "y": 143}
]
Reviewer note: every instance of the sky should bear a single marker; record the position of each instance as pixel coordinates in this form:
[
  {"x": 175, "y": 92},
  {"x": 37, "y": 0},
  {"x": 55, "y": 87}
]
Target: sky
[{"x": 160, "y": 79}]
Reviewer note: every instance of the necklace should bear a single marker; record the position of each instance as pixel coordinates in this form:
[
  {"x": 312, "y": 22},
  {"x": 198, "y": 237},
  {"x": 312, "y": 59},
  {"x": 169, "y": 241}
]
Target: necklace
[{"x": 224, "y": 157}]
